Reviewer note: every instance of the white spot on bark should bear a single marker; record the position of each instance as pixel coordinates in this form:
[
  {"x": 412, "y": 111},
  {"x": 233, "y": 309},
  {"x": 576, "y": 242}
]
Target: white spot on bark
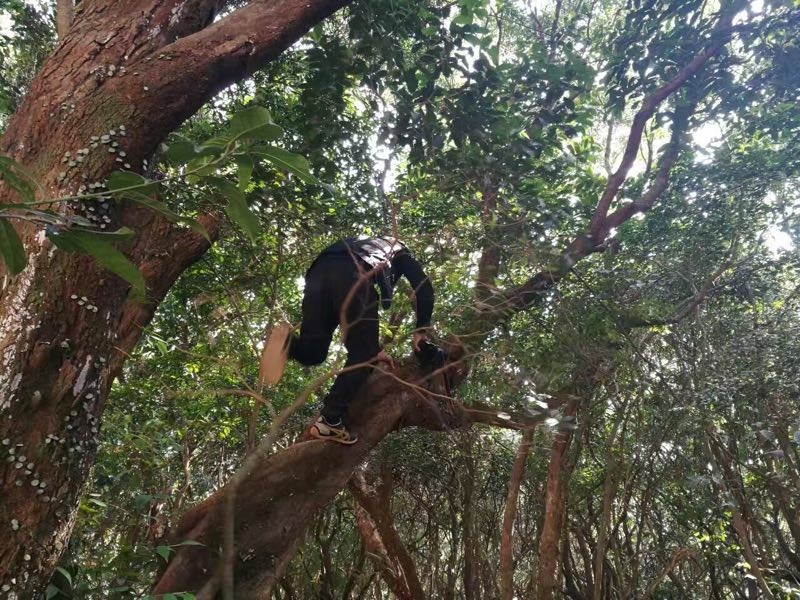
[{"x": 80, "y": 383}]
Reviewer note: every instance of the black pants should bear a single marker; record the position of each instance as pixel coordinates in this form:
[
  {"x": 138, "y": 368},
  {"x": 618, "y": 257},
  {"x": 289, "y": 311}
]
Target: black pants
[{"x": 328, "y": 284}]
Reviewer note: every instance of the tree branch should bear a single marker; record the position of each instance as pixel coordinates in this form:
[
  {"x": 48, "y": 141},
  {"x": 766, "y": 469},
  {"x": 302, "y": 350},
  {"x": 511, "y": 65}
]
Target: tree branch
[
  {"x": 232, "y": 48},
  {"x": 63, "y": 17},
  {"x": 374, "y": 497},
  {"x": 719, "y": 37}
]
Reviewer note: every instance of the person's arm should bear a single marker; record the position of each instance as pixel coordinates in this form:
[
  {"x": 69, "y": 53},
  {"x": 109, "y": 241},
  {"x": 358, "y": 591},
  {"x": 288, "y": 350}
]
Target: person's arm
[{"x": 408, "y": 267}]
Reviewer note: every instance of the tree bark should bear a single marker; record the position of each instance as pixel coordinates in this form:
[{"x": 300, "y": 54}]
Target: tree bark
[
  {"x": 133, "y": 71},
  {"x": 64, "y": 10},
  {"x": 468, "y": 519},
  {"x": 602, "y": 532},
  {"x": 741, "y": 524},
  {"x": 510, "y": 514},
  {"x": 555, "y": 508},
  {"x": 374, "y": 497},
  {"x": 678, "y": 556}
]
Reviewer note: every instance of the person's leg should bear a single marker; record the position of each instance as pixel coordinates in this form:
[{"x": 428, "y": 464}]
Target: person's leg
[
  {"x": 361, "y": 341},
  {"x": 319, "y": 320}
]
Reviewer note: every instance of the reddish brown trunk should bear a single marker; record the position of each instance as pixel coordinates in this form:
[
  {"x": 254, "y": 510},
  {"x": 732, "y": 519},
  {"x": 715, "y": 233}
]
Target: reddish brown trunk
[
  {"x": 731, "y": 484},
  {"x": 66, "y": 325},
  {"x": 378, "y": 555},
  {"x": 397, "y": 566},
  {"x": 471, "y": 591},
  {"x": 63, "y": 17},
  {"x": 489, "y": 263},
  {"x": 555, "y": 508},
  {"x": 510, "y": 514}
]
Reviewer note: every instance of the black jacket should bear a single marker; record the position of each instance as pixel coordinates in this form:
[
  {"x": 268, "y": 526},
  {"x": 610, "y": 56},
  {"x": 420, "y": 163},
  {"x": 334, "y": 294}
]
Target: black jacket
[{"x": 391, "y": 260}]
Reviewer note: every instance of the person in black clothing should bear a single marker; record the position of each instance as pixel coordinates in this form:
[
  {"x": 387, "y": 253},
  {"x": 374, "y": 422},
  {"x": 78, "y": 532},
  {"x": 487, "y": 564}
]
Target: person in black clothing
[{"x": 340, "y": 291}]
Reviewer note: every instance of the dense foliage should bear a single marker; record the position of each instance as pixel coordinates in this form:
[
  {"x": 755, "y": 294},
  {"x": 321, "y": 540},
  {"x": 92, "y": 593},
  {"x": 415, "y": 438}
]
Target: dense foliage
[{"x": 476, "y": 127}]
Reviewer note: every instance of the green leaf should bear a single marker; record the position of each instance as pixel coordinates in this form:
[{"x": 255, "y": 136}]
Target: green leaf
[
  {"x": 130, "y": 185},
  {"x": 254, "y": 123},
  {"x": 463, "y": 19},
  {"x": 215, "y": 145},
  {"x": 170, "y": 597},
  {"x": 170, "y": 215},
  {"x": 494, "y": 54},
  {"x": 201, "y": 167},
  {"x": 164, "y": 552},
  {"x": 244, "y": 165},
  {"x": 190, "y": 543},
  {"x": 121, "y": 235},
  {"x": 17, "y": 178},
  {"x": 11, "y": 248},
  {"x": 237, "y": 208},
  {"x": 51, "y": 592},
  {"x": 65, "y": 574},
  {"x": 288, "y": 161},
  {"x": 181, "y": 150},
  {"x": 99, "y": 248},
  {"x": 133, "y": 186}
]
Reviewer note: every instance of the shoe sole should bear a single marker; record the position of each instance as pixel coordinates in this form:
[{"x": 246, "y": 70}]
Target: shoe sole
[
  {"x": 331, "y": 438},
  {"x": 275, "y": 355}
]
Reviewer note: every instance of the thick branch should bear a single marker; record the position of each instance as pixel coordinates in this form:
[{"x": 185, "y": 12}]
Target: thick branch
[
  {"x": 279, "y": 494},
  {"x": 677, "y": 557},
  {"x": 188, "y": 72}
]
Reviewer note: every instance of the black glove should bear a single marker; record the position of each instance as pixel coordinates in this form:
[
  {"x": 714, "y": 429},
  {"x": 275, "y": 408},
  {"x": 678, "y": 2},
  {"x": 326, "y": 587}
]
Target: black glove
[{"x": 430, "y": 355}]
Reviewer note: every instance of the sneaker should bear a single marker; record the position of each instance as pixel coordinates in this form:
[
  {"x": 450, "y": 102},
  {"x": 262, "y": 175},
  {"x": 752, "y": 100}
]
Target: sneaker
[
  {"x": 275, "y": 354},
  {"x": 335, "y": 432}
]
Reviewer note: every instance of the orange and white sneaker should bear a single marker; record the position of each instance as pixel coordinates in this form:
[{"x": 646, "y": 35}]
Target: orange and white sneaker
[
  {"x": 333, "y": 431},
  {"x": 275, "y": 354}
]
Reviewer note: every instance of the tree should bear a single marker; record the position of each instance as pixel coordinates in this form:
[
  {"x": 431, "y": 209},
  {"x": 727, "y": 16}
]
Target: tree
[{"x": 491, "y": 113}]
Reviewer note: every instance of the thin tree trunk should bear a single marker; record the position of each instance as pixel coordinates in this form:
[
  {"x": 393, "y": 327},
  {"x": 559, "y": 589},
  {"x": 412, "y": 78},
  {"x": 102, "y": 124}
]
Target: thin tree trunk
[
  {"x": 602, "y": 529},
  {"x": 740, "y": 524},
  {"x": 555, "y": 508},
  {"x": 468, "y": 519},
  {"x": 609, "y": 491},
  {"x": 510, "y": 514},
  {"x": 677, "y": 557},
  {"x": 374, "y": 497}
]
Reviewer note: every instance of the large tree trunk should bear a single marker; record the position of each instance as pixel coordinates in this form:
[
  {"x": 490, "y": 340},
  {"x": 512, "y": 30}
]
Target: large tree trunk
[{"x": 134, "y": 71}]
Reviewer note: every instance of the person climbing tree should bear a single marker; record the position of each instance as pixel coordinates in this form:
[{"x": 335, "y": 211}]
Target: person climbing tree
[{"x": 340, "y": 291}]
